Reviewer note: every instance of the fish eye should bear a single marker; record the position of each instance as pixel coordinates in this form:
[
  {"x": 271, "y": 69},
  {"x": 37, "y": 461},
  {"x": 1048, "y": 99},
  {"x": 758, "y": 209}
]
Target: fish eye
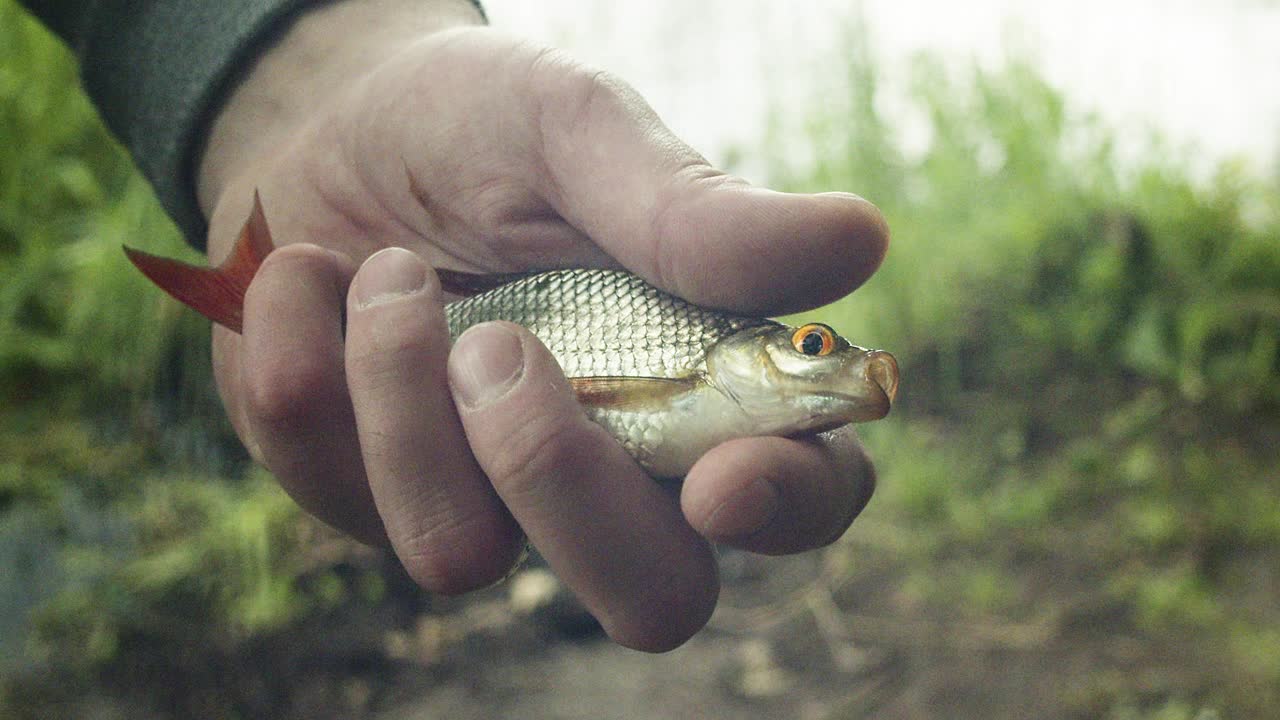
[{"x": 814, "y": 339}]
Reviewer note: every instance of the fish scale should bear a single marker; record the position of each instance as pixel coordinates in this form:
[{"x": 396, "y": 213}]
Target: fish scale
[{"x": 604, "y": 323}]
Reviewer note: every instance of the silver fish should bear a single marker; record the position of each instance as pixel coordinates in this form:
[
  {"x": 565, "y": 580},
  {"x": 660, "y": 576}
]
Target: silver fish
[{"x": 668, "y": 379}]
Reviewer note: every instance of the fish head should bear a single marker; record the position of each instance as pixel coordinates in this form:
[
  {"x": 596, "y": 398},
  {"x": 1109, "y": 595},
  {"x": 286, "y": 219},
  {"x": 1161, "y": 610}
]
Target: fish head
[{"x": 792, "y": 381}]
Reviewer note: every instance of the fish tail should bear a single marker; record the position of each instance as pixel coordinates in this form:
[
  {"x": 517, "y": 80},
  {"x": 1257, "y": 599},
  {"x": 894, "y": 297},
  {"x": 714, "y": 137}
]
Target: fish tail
[{"x": 217, "y": 293}]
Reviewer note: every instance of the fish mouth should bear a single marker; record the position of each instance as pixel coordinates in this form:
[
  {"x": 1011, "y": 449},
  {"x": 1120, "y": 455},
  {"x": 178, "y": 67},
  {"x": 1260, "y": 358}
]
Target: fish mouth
[
  {"x": 873, "y": 399},
  {"x": 881, "y": 368},
  {"x": 863, "y": 407}
]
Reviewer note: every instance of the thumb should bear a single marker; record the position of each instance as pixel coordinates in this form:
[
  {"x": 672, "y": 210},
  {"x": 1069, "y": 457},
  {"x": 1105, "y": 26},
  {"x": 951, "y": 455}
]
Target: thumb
[{"x": 618, "y": 174}]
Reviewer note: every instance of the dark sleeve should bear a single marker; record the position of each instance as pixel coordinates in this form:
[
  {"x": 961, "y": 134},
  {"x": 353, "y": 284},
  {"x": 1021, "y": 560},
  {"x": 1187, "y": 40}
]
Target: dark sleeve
[{"x": 158, "y": 69}]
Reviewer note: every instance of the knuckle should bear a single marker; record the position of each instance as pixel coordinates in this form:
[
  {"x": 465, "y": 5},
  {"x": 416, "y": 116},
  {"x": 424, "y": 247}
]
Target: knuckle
[
  {"x": 389, "y": 348},
  {"x": 392, "y": 348},
  {"x": 538, "y": 452},
  {"x": 576, "y": 92},
  {"x": 586, "y": 92},
  {"x": 288, "y": 389},
  {"x": 548, "y": 64},
  {"x": 669, "y": 219},
  {"x": 455, "y": 555},
  {"x": 495, "y": 204}
]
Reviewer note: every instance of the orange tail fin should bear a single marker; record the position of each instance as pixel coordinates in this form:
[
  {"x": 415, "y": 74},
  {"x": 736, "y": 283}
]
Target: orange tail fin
[{"x": 216, "y": 293}]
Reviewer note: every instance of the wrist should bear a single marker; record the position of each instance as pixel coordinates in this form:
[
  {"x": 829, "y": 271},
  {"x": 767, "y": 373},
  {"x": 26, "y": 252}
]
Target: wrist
[{"x": 321, "y": 55}]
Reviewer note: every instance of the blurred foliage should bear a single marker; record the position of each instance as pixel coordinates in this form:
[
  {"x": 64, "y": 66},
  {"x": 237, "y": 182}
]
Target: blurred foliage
[
  {"x": 1090, "y": 351},
  {"x": 117, "y": 527},
  {"x": 1084, "y": 444}
]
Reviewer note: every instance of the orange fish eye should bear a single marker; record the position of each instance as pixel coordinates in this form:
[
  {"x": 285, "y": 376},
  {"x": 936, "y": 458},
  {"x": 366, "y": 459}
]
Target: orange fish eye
[{"x": 814, "y": 339}]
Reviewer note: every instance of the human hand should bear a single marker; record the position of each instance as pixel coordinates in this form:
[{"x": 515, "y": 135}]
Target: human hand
[{"x": 469, "y": 149}]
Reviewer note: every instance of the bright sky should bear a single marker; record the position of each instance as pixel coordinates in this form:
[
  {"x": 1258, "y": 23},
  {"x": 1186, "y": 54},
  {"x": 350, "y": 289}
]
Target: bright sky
[{"x": 1203, "y": 71}]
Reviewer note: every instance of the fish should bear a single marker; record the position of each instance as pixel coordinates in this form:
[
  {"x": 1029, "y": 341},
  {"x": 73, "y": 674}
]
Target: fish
[{"x": 668, "y": 379}]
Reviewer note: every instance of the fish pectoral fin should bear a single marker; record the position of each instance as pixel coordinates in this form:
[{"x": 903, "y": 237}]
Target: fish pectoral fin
[{"x": 630, "y": 393}]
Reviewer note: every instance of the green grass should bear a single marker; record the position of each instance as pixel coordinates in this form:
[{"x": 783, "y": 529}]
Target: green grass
[
  {"x": 1090, "y": 356},
  {"x": 125, "y": 506}
]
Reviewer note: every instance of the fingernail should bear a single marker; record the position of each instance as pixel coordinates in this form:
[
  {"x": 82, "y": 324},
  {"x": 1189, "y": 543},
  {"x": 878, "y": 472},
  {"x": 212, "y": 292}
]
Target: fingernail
[
  {"x": 746, "y": 512},
  {"x": 485, "y": 363},
  {"x": 387, "y": 275}
]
